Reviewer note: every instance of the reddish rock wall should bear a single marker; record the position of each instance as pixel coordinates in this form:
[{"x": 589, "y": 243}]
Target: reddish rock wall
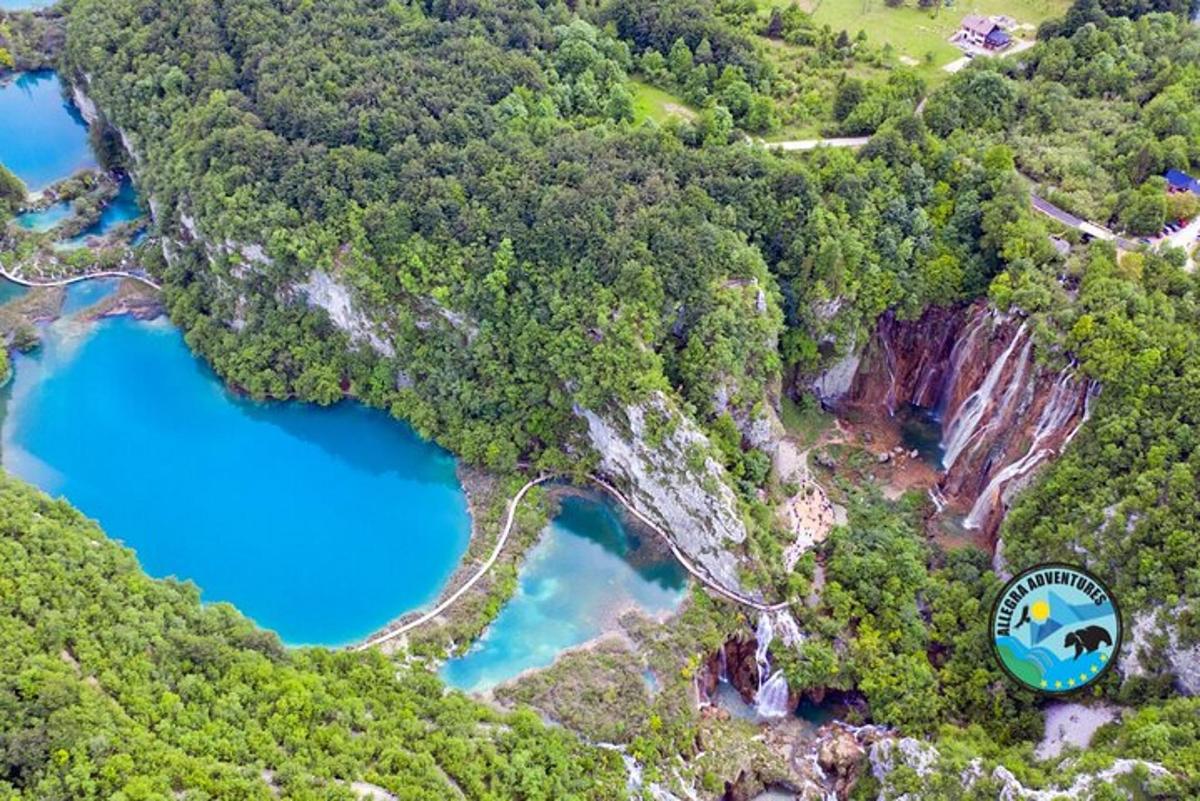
[{"x": 1003, "y": 415}]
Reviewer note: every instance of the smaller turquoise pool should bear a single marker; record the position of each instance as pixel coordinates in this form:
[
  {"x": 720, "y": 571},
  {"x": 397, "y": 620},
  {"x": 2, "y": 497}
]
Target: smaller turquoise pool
[
  {"x": 10, "y": 290},
  {"x": 45, "y": 219},
  {"x": 586, "y": 570},
  {"x": 121, "y": 209}
]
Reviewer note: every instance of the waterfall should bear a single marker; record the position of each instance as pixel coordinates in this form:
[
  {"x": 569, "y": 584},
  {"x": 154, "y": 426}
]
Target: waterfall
[
  {"x": 964, "y": 345},
  {"x": 789, "y": 629},
  {"x": 889, "y": 359},
  {"x": 1058, "y": 411},
  {"x": 965, "y": 424},
  {"x": 1015, "y": 385},
  {"x": 763, "y": 636},
  {"x": 939, "y": 500},
  {"x": 771, "y": 700},
  {"x": 723, "y": 666}
]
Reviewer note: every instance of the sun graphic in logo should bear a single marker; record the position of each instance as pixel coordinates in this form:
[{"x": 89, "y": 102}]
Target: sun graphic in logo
[{"x": 1040, "y": 611}]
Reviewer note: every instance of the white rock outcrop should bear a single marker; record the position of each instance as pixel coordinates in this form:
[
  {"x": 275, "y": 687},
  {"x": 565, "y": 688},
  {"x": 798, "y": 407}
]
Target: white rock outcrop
[
  {"x": 887, "y": 754},
  {"x": 1184, "y": 660},
  {"x": 1072, "y": 724},
  {"x": 670, "y": 478},
  {"x": 326, "y": 292},
  {"x": 835, "y": 381}
]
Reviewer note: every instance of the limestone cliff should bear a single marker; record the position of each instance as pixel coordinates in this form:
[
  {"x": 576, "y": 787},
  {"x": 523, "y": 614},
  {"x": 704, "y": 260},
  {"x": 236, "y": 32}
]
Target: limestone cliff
[
  {"x": 326, "y": 292},
  {"x": 1157, "y": 631},
  {"x": 662, "y": 461}
]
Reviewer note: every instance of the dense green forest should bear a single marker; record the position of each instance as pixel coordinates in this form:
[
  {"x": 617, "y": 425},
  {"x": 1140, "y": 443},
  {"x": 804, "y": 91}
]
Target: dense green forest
[
  {"x": 518, "y": 250},
  {"x": 1097, "y": 112},
  {"x": 522, "y": 250},
  {"x": 116, "y": 686}
]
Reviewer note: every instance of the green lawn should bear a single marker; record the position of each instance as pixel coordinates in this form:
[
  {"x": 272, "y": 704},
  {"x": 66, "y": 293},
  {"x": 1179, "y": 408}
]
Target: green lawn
[
  {"x": 915, "y": 32},
  {"x": 652, "y": 103}
]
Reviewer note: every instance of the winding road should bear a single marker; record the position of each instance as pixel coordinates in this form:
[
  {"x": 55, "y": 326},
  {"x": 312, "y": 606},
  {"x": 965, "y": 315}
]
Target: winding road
[
  {"x": 698, "y": 573},
  {"x": 813, "y": 144}
]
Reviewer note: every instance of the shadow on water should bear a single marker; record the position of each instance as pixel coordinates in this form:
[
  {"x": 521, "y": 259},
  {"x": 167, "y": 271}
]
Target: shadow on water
[
  {"x": 361, "y": 437},
  {"x": 600, "y": 519}
]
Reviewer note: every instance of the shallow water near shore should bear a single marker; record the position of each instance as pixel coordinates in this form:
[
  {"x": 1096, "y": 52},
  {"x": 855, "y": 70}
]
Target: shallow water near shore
[
  {"x": 45, "y": 219},
  {"x": 121, "y": 209},
  {"x": 322, "y": 524},
  {"x": 587, "y": 569},
  {"x": 51, "y": 143}
]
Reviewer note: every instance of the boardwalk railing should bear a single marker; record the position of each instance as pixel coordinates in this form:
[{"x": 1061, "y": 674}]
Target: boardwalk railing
[{"x": 700, "y": 574}]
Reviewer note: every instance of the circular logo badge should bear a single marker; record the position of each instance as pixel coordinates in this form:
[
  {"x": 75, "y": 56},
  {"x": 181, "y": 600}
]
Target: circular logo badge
[{"x": 1055, "y": 628}]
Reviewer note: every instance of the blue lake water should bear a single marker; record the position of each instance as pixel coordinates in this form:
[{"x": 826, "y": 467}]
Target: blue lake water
[
  {"x": 88, "y": 293},
  {"x": 45, "y": 219},
  {"x": 10, "y": 290},
  {"x": 322, "y": 524},
  {"x": 51, "y": 143},
  {"x": 121, "y": 209},
  {"x": 25, "y": 5},
  {"x": 586, "y": 570}
]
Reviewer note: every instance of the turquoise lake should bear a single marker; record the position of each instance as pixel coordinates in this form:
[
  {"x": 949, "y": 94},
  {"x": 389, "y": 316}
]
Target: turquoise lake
[
  {"x": 51, "y": 143},
  {"x": 322, "y": 524},
  {"x": 121, "y": 209},
  {"x": 585, "y": 571},
  {"x": 25, "y": 5},
  {"x": 45, "y": 219}
]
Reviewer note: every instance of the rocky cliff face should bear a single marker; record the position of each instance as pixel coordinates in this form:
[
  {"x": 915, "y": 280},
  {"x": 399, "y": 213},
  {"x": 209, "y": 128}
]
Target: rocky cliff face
[
  {"x": 335, "y": 298},
  {"x": 1156, "y": 633},
  {"x": 1003, "y": 415},
  {"x": 661, "y": 460}
]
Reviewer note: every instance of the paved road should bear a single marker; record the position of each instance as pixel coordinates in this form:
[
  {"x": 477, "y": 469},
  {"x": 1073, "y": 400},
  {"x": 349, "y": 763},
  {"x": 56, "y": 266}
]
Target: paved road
[
  {"x": 1083, "y": 226},
  {"x": 813, "y": 144},
  {"x": 1184, "y": 238}
]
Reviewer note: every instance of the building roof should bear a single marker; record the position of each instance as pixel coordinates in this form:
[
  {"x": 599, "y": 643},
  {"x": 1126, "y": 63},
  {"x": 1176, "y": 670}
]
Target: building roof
[
  {"x": 977, "y": 24},
  {"x": 997, "y": 38},
  {"x": 1181, "y": 180}
]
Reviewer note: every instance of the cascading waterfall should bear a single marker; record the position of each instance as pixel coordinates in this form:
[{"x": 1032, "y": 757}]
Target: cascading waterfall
[
  {"x": 789, "y": 629},
  {"x": 965, "y": 424},
  {"x": 771, "y": 700},
  {"x": 1015, "y": 385},
  {"x": 1057, "y": 412},
  {"x": 1003, "y": 414},
  {"x": 939, "y": 500},
  {"x": 890, "y": 360},
  {"x": 764, "y": 635}
]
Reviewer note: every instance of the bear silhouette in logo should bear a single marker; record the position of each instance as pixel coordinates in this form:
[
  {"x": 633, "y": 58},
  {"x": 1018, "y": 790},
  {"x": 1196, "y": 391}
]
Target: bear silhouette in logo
[{"x": 1087, "y": 639}]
